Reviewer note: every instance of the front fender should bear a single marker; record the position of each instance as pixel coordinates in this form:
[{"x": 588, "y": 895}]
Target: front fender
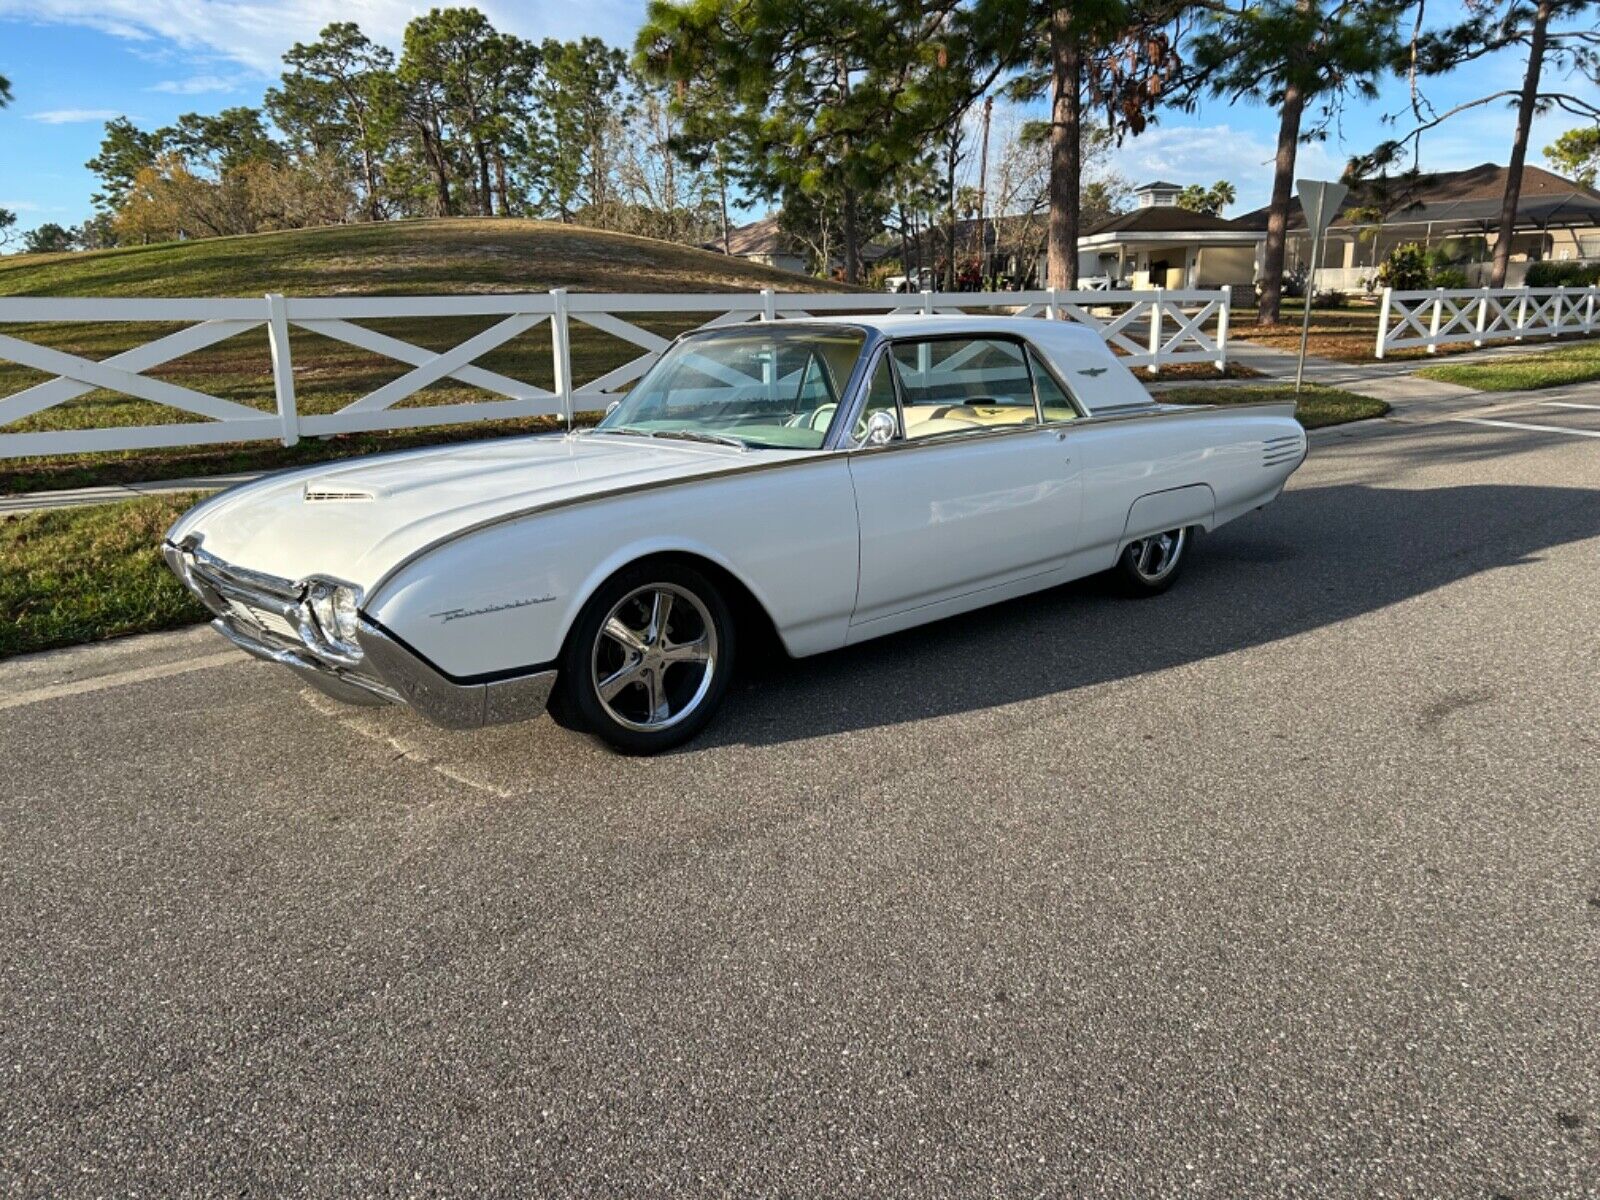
[{"x": 502, "y": 598}]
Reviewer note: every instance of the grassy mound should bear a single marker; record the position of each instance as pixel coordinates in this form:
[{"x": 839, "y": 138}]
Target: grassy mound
[{"x": 395, "y": 258}]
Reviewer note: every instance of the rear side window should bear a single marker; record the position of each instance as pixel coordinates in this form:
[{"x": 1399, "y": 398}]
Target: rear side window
[{"x": 1054, "y": 403}]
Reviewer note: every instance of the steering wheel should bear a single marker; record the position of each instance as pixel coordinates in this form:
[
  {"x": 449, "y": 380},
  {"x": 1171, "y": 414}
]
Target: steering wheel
[{"x": 819, "y": 418}]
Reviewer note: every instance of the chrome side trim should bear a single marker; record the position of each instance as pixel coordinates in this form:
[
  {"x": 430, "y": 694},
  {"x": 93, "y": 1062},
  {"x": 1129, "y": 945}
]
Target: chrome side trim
[
  {"x": 811, "y": 458},
  {"x": 441, "y": 700}
]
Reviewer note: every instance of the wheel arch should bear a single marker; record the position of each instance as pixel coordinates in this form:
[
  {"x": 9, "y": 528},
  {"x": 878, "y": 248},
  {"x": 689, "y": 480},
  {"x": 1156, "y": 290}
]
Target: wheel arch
[{"x": 754, "y": 623}]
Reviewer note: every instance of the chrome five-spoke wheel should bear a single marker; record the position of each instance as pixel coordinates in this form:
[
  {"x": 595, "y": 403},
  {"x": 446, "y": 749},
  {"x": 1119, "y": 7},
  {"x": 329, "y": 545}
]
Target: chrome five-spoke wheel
[
  {"x": 1150, "y": 564},
  {"x": 655, "y": 658},
  {"x": 649, "y": 658}
]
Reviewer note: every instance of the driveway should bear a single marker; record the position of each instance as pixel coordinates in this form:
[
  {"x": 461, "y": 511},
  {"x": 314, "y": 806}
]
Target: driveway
[{"x": 1284, "y": 883}]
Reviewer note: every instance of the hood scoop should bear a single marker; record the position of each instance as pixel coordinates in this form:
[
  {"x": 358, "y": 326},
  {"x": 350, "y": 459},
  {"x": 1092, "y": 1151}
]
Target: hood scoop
[{"x": 330, "y": 491}]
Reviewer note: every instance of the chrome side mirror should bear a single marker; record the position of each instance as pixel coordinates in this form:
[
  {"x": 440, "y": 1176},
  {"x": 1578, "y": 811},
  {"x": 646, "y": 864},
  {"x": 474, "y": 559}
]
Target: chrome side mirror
[{"x": 881, "y": 428}]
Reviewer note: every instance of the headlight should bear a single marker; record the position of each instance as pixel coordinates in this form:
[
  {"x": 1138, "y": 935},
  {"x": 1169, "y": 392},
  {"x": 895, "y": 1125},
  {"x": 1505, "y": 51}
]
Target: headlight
[{"x": 336, "y": 607}]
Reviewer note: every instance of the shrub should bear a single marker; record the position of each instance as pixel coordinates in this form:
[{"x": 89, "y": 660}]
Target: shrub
[
  {"x": 1449, "y": 277},
  {"x": 1555, "y": 274},
  {"x": 1405, "y": 270}
]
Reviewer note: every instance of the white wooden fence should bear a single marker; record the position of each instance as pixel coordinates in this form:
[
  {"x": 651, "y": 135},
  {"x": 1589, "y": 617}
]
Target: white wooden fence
[
  {"x": 1477, "y": 315},
  {"x": 1151, "y": 328}
]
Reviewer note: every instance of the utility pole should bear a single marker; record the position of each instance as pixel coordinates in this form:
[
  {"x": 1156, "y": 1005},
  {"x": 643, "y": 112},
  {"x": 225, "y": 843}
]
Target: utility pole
[{"x": 983, "y": 186}]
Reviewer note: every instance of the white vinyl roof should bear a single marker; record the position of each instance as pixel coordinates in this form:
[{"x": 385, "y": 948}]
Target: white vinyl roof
[{"x": 1096, "y": 376}]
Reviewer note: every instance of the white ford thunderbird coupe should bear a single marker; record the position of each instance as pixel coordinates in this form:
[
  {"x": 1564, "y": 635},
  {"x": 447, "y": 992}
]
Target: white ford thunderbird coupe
[{"x": 826, "y": 480}]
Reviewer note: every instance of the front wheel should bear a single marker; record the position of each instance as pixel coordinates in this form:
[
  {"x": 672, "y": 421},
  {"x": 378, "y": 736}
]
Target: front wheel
[
  {"x": 1151, "y": 565},
  {"x": 649, "y": 658}
]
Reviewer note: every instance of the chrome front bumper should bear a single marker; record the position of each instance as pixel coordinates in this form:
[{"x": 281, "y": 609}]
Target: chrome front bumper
[{"x": 269, "y": 618}]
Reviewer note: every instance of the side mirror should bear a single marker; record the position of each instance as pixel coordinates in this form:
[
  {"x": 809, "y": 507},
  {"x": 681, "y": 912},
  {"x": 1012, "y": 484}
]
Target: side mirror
[{"x": 881, "y": 428}]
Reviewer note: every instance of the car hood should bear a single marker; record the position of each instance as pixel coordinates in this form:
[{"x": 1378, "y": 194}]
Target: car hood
[{"x": 355, "y": 520}]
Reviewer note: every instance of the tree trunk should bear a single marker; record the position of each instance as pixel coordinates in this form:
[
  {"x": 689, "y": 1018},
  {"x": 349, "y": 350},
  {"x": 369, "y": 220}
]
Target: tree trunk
[
  {"x": 952, "y": 153},
  {"x": 852, "y": 248},
  {"x": 485, "y": 191},
  {"x": 1278, "y": 212},
  {"x": 1066, "y": 147},
  {"x": 1519, "y": 146},
  {"x": 441, "y": 174},
  {"x": 722, "y": 191},
  {"x": 501, "y": 185}
]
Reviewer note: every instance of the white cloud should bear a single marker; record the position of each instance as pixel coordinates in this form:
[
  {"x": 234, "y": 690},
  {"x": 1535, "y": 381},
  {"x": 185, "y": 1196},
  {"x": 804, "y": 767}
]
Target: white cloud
[
  {"x": 255, "y": 33},
  {"x": 74, "y": 116},
  {"x": 1204, "y": 154},
  {"x": 195, "y": 85}
]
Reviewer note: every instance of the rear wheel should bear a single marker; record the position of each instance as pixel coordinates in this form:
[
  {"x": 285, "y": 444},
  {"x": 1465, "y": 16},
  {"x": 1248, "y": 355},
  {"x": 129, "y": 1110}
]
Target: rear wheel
[
  {"x": 1151, "y": 565},
  {"x": 649, "y": 659}
]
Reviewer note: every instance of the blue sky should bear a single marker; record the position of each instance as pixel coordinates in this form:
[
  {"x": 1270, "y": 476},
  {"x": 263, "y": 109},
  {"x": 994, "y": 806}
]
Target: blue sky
[{"x": 75, "y": 63}]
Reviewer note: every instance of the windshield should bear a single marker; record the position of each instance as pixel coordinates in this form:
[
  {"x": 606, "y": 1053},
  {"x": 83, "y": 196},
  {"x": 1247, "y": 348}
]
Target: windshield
[{"x": 773, "y": 389}]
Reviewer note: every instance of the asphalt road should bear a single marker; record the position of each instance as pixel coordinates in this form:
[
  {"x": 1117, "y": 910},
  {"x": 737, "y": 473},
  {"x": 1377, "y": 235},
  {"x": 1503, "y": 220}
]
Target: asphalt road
[{"x": 1286, "y": 883}]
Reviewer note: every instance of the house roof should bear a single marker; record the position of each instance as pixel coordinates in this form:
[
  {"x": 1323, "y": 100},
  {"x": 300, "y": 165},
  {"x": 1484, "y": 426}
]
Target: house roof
[
  {"x": 1166, "y": 218},
  {"x": 1469, "y": 197},
  {"x": 758, "y": 237},
  {"x": 1159, "y": 185}
]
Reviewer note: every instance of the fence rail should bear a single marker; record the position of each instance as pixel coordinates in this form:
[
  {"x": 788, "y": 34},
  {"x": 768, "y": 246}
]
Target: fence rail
[
  {"x": 1443, "y": 317},
  {"x": 1150, "y": 329}
]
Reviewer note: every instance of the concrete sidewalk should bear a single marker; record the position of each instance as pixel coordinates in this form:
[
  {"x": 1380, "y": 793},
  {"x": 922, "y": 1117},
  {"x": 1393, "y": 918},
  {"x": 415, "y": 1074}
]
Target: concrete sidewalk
[{"x": 112, "y": 493}]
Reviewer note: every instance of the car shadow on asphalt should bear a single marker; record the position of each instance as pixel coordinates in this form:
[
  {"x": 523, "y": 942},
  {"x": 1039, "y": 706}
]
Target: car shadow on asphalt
[{"x": 1316, "y": 557}]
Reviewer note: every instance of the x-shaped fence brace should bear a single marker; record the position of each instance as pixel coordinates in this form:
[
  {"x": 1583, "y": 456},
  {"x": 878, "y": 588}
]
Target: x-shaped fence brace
[{"x": 1441, "y": 317}]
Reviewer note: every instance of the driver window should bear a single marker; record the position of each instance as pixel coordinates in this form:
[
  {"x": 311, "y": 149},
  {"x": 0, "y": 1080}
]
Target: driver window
[{"x": 959, "y": 385}]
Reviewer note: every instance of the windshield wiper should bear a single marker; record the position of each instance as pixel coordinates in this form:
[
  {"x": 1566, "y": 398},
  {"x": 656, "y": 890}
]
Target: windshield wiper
[
  {"x": 626, "y": 430},
  {"x": 695, "y": 435}
]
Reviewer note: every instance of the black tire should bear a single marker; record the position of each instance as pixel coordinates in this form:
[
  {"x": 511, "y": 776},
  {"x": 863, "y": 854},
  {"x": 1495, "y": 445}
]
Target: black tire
[
  {"x": 1149, "y": 566},
  {"x": 661, "y": 700}
]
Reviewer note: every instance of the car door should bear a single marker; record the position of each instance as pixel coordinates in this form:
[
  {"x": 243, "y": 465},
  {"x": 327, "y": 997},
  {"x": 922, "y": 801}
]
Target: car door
[{"x": 973, "y": 492}]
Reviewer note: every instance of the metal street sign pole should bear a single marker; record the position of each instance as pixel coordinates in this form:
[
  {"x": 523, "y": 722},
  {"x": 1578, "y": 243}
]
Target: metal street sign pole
[{"x": 1319, "y": 201}]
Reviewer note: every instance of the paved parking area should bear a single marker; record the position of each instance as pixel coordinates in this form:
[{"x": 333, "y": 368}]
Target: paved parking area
[{"x": 1285, "y": 883}]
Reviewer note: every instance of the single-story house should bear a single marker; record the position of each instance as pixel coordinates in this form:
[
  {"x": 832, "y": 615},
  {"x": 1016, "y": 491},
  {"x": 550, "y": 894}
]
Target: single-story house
[
  {"x": 1557, "y": 219},
  {"x": 1161, "y": 245},
  {"x": 765, "y": 242}
]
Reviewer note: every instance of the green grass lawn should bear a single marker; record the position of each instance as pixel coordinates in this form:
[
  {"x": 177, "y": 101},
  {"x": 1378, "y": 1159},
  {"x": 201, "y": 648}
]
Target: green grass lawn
[
  {"x": 81, "y": 574},
  {"x": 1573, "y": 363},
  {"x": 1318, "y": 406}
]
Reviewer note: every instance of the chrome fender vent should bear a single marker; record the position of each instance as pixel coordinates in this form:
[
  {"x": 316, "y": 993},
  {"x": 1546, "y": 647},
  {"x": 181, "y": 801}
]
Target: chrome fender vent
[{"x": 1280, "y": 451}]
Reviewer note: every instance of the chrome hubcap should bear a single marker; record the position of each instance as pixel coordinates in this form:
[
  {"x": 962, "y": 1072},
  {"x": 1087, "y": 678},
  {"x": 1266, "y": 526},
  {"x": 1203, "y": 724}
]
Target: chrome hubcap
[
  {"x": 655, "y": 657},
  {"x": 1153, "y": 558}
]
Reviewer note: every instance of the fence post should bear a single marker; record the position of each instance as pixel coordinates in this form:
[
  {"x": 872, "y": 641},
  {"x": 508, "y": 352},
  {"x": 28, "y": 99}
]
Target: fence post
[
  {"x": 1588, "y": 319},
  {"x": 927, "y": 302},
  {"x": 561, "y": 352},
  {"x": 282, "y": 367},
  {"x": 1522, "y": 311},
  {"x": 1383, "y": 325},
  {"x": 1051, "y": 312},
  {"x": 1561, "y": 310},
  {"x": 1155, "y": 333},
  {"x": 1433, "y": 326},
  {"x": 769, "y": 308},
  {"x": 1222, "y": 328},
  {"x": 1483, "y": 316}
]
